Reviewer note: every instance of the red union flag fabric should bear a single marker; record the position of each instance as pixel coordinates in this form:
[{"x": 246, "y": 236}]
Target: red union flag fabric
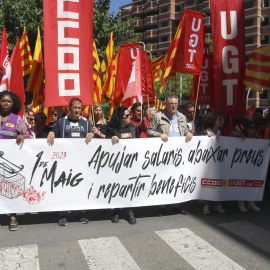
[
  {"x": 189, "y": 56},
  {"x": 206, "y": 89},
  {"x": 228, "y": 32},
  {"x": 126, "y": 57},
  {"x": 68, "y": 39}
]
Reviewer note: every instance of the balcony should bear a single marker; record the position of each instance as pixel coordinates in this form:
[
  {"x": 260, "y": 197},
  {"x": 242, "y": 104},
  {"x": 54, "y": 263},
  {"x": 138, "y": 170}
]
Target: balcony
[
  {"x": 189, "y": 4},
  {"x": 151, "y": 20},
  {"x": 138, "y": 24},
  {"x": 151, "y": 33},
  {"x": 207, "y": 21}
]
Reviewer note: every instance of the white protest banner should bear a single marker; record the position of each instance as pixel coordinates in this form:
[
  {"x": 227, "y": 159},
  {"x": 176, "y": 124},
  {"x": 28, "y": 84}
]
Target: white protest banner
[{"x": 72, "y": 175}]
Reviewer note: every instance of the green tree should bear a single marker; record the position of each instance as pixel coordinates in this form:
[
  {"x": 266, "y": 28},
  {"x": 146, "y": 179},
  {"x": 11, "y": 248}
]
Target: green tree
[
  {"x": 105, "y": 22},
  {"x": 17, "y": 14},
  {"x": 172, "y": 86}
]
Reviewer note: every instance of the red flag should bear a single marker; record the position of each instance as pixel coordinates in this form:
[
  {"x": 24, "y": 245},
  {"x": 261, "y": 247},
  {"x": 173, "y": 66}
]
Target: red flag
[
  {"x": 185, "y": 53},
  {"x": 228, "y": 32},
  {"x": 3, "y": 56},
  {"x": 125, "y": 59},
  {"x": 68, "y": 39},
  {"x": 206, "y": 89},
  {"x": 16, "y": 75},
  {"x": 133, "y": 91}
]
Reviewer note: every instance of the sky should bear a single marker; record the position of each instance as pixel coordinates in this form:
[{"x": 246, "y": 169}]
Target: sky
[{"x": 115, "y": 4}]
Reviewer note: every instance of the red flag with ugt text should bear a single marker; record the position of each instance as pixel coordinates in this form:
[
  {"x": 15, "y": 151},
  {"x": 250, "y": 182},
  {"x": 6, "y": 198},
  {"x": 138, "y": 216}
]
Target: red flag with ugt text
[
  {"x": 68, "y": 39},
  {"x": 228, "y": 32},
  {"x": 189, "y": 56},
  {"x": 126, "y": 57},
  {"x": 206, "y": 88}
]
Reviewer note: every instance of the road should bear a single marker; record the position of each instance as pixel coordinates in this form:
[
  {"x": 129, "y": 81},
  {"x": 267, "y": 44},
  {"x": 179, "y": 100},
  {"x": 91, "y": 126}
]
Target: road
[{"x": 232, "y": 240}]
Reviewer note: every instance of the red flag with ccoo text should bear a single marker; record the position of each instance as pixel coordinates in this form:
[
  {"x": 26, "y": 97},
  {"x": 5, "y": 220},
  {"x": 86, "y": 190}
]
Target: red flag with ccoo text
[{"x": 68, "y": 50}]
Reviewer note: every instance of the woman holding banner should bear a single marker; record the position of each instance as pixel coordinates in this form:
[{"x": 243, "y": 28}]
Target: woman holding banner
[
  {"x": 213, "y": 123},
  {"x": 98, "y": 121},
  {"x": 120, "y": 128},
  {"x": 12, "y": 127}
]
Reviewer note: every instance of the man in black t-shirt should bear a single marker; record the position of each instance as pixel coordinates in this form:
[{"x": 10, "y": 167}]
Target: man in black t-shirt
[{"x": 72, "y": 126}]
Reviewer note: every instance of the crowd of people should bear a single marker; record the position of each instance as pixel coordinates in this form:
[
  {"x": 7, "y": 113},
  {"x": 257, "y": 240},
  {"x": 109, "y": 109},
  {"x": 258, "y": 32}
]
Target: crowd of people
[{"x": 127, "y": 123}]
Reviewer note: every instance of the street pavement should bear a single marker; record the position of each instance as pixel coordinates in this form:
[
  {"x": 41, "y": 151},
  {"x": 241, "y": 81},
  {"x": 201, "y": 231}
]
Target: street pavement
[{"x": 232, "y": 240}]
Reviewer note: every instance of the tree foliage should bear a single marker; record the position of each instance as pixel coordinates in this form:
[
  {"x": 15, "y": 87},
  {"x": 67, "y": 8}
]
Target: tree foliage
[
  {"x": 173, "y": 87},
  {"x": 16, "y": 15},
  {"x": 105, "y": 22}
]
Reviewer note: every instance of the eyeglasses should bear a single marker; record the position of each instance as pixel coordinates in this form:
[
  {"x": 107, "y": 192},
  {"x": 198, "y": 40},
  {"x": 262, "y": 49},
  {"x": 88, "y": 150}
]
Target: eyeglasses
[
  {"x": 55, "y": 115},
  {"x": 126, "y": 116},
  {"x": 31, "y": 119}
]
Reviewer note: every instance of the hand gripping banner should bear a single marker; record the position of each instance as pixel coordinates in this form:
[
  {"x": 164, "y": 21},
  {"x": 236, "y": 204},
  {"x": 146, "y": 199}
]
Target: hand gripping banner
[
  {"x": 68, "y": 39},
  {"x": 228, "y": 31}
]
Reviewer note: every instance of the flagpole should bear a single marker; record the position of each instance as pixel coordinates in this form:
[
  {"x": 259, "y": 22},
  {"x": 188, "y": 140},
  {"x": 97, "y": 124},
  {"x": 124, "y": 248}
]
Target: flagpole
[
  {"x": 196, "y": 102},
  {"x": 93, "y": 118}
]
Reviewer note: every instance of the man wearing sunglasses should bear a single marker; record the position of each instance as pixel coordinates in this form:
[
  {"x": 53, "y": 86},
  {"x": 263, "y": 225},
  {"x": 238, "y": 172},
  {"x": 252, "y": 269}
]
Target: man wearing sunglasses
[{"x": 198, "y": 127}]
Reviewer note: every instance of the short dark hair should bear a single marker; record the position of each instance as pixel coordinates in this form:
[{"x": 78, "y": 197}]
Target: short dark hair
[
  {"x": 211, "y": 119},
  {"x": 258, "y": 110},
  {"x": 189, "y": 105},
  {"x": 17, "y": 105},
  {"x": 74, "y": 100},
  {"x": 136, "y": 105}
]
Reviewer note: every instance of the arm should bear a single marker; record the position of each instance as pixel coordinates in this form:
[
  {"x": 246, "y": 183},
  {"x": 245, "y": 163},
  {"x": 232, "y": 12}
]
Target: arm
[
  {"x": 89, "y": 134},
  {"x": 54, "y": 133}
]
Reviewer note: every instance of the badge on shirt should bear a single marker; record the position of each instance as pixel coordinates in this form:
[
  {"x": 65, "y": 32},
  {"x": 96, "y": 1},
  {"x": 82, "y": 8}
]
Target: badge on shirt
[
  {"x": 9, "y": 125},
  {"x": 75, "y": 134},
  {"x": 176, "y": 128},
  {"x": 126, "y": 135}
]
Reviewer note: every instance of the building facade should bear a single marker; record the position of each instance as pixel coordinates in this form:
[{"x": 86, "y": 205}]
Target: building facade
[{"x": 159, "y": 19}]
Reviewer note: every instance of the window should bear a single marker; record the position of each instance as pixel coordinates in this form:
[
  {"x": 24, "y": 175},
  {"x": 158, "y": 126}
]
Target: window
[
  {"x": 164, "y": 10},
  {"x": 265, "y": 21},
  {"x": 190, "y": 3},
  {"x": 265, "y": 3},
  {"x": 164, "y": 39},
  {"x": 176, "y": 23},
  {"x": 247, "y": 59},
  {"x": 164, "y": 24},
  {"x": 249, "y": 41},
  {"x": 248, "y": 5},
  {"x": 179, "y": 8},
  {"x": 265, "y": 39},
  {"x": 248, "y": 23}
]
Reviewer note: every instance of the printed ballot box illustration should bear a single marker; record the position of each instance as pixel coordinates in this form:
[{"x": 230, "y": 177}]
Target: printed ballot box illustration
[{"x": 12, "y": 183}]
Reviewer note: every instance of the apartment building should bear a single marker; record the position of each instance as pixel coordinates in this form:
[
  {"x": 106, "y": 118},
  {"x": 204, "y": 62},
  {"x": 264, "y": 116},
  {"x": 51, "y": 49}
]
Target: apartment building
[{"x": 158, "y": 21}]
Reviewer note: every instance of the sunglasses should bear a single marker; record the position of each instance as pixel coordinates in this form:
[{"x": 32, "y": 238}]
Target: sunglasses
[
  {"x": 36, "y": 120},
  {"x": 126, "y": 116},
  {"x": 43, "y": 117},
  {"x": 55, "y": 115},
  {"x": 31, "y": 119}
]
